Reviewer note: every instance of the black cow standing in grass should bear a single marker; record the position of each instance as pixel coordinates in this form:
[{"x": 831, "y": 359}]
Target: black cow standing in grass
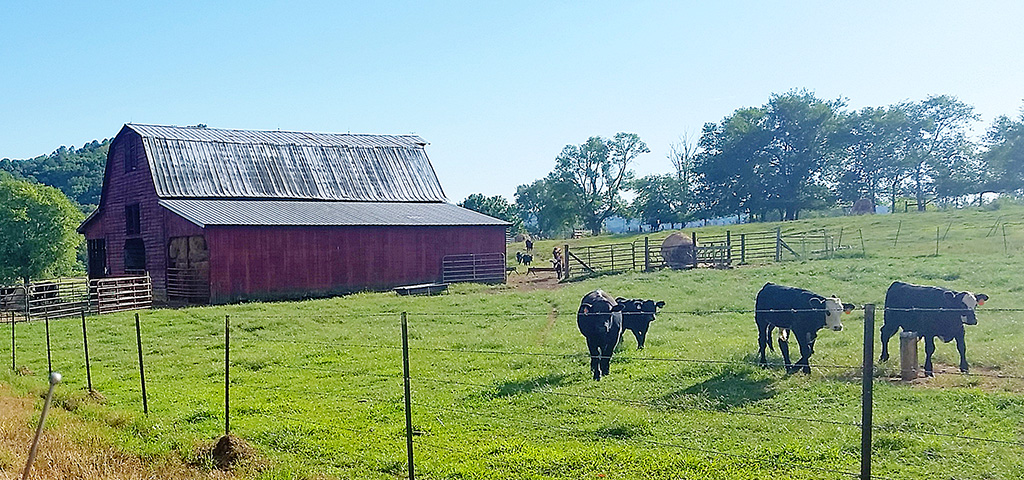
[
  {"x": 798, "y": 312},
  {"x": 637, "y": 315},
  {"x": 930, "y": 312},
  {"x": 600, "y": 321}
]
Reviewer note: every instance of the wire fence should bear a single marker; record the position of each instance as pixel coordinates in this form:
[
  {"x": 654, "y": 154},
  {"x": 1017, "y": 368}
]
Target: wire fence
[{"x": 352, "y": 395}]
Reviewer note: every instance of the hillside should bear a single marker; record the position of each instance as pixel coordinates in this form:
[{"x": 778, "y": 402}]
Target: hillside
[{"x": 76, "y": 172}]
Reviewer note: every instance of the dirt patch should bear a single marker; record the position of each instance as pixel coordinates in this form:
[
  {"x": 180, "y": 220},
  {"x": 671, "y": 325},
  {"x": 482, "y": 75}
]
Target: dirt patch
[
  {"x": 533, "y": 281},
  {"x": 231, "y": 451},
  {"x": 984, "y": 378}
]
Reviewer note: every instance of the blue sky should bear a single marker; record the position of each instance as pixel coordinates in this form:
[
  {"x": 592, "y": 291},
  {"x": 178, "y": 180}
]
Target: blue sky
[{"x": 497, "y": 88}]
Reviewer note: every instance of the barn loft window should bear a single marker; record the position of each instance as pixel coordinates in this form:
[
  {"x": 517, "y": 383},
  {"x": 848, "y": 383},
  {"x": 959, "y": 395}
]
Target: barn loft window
[
  {"x": 134, "y": 256},
  {"x": 132, "y": 219},
  {"x": 131, "y": 162}
]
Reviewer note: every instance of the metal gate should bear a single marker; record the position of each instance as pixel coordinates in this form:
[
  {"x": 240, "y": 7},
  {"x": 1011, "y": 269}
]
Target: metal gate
[{"x": 474, "y": 267}]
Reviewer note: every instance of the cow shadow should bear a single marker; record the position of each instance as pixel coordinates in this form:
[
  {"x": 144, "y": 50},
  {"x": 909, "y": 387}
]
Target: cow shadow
[
  {"x": 519, "y": 387},
  {"x": 724, "y": 391}
]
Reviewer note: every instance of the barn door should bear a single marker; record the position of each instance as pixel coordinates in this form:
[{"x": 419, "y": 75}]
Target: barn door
[
  {"x": 97, "y": 258},
  {"x": 188, "y": 270}
]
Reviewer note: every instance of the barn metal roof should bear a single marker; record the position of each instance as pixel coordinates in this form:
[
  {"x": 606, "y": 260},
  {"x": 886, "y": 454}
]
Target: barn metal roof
[
  {"x": 313, "y": 213},
  {"x": 200, "y": 162}
]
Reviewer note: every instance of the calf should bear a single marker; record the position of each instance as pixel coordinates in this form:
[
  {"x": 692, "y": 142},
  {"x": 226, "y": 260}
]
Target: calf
[
  {"x": 600, "y": 321},
  {"x": 930, "y": 312},
  {"x": 637, "y": 316},
  {"x": 797, "y": 311}
]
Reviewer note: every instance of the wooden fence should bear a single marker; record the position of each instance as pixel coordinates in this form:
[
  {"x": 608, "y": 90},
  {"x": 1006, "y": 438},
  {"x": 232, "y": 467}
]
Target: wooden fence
[{"x": 70, "y": 297}]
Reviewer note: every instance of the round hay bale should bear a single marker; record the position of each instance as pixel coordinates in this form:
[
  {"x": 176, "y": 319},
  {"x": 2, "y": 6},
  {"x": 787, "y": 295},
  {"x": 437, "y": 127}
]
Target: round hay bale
[
  {"x": 679, "y": 251},
  {"x": 521, "y": 237},
  {"x": 863, "y": 206}
]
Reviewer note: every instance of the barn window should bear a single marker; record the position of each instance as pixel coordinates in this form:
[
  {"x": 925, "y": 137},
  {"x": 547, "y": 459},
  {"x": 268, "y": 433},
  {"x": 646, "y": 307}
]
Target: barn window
[
  {"x": 132, "y": 219},
  {"x": 131, "y": 162},
  {"x": 134, "y": 256}
]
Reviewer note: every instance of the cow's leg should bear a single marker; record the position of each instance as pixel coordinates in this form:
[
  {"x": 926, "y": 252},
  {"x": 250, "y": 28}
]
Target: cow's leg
[
  {"x": 806, "y": 348},
  {"x": 929, "y": 349},
  {"x": 595, "y": 358},
  {"x": 763, "y": 338},
  {"x": 784, "y": 349},
  {"x": 962, "y": 348},
  {"x": 606, "y": 358},
  {"x": 641, "y": 336},
  {"x": 887, "y": 332}
]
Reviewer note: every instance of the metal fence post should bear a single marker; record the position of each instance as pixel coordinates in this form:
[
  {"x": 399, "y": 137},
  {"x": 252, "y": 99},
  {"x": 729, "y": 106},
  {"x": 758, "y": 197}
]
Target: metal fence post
[
  {"x": 867, "y": 380},
  {"x": 49, "y": 358},
  {"x": 743, "y": 249},
  {"x": 227, "y": 374},
  {"x": 85, "y": 342},
  {"x": 647, "y": 254},
  {"x": 142, "y": 371},
  {"x": 778, "y": 244},
  {"x": 728, "y": 246},
  {"x": 408, "y": 395},
  {"x": 14, "y": 366}
]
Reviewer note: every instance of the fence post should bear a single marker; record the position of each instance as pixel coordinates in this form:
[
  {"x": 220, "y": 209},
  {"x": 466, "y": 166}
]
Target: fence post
[
  {"x": 863, "y": 250},
  {"x": 908, "y": 356},
  {"x": 778, "y": 244},
  {"x": 565, "y": 258},
  {"x": 14, "y": 367},
  {"x": 632, "y": 254},
  {"x": 54, "y": 380},
  {"x": 142, "y": 371},
  {"x": 898, "y": 227},
  {"x": 867, "y": 380},
  {"x": 647, "y": 254},
  {"x": 85, "y": 342},
  {"x": 49, "y": 358},
  {"x": 1006, "y": 248},
  {"x": 408, "y": 395},
  {"x": 743, "y": 249},
  {"x": 227, "y": 375},
  {"x": 612, "y": 247},
  {"x": 936, "y": 241},
  {"x": 728, "y": 247}
]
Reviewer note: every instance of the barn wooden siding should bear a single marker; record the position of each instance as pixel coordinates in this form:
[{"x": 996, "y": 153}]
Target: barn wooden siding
[{"x": 266, "y": 262}]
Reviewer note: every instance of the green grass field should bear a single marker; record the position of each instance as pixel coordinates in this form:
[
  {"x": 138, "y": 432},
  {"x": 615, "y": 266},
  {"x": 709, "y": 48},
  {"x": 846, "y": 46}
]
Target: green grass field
[{"x": 501, "y": 386}]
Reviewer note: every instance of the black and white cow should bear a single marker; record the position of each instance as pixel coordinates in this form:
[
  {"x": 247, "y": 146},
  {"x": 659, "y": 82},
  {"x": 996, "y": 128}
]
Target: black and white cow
[
  {"x": 798, "y": 312},
  {"x": 637, "y": 315},
  {"x": 600, "y": 321},
  {"x": 930, "y": 312}
]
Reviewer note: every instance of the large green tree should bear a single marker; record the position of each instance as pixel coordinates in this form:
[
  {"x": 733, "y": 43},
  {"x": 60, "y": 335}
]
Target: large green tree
[
  {"x": 37, "y": 231},
  {"x": 659, "y": 200},
  {"x": 543, "y": 209},
  {"x": 941, "y": 144},
  {"x": 496, "y": 206},
  {"x": 592, "y": 176}
]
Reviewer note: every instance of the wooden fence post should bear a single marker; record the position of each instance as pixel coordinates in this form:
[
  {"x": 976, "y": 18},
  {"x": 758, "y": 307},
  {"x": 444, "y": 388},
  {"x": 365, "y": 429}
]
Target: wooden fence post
[
  {"x": 743, "y": 249},
  {"x": 647, "y": 254},
  {"x": 908, "y": 356},
  {"x": 728, "y": 247},
  {"x": 778, "y": 244},
  {"x": 565, "y": 259}
]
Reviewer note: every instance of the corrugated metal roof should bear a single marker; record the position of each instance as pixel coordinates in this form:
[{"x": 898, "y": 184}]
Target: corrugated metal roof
[
  {"x": 193, "y": 162},
  {"x": 314, "y": 213}
]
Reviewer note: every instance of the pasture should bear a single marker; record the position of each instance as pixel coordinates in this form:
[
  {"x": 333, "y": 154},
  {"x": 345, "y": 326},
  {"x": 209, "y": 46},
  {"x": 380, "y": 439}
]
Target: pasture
[{"x": 501, "y": 386}]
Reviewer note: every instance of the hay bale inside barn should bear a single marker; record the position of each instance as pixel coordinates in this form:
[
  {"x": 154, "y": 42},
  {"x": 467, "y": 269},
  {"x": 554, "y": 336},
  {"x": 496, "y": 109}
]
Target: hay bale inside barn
[{"x": 222, "y": 215}]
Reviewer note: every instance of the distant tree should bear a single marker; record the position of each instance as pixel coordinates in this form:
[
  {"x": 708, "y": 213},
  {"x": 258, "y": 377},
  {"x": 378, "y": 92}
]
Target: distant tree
[
  {"x": 37, "y": 231},
  {"x": 658, "y": 200},
  {"x": 543, "y": 210},
  {"x": 942, "y": 141},
  {"x": 772, "y": 158},
  {"x": 874, "y": 144},
  {"x": 592, "y": 175},
  {"x": 1005, "y": 154},
  {"x": 496, "y": 206}
]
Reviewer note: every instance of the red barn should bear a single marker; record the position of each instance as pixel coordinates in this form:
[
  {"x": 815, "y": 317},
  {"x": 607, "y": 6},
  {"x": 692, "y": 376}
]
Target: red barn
[{"x": 223, "y": 215}]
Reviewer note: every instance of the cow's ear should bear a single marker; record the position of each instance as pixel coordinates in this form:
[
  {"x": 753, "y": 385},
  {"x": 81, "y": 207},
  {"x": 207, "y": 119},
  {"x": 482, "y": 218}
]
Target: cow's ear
[
  {"x": 617, "y": 308},
  {"x": 981, "y": 298},
  {"x": 620, "y": 299},
  {"x": 659, "y": 304},
  {"x": 586, "y": 307},
  {"x": 815, "y": 302},
  {"x": 849, "y": 307}
]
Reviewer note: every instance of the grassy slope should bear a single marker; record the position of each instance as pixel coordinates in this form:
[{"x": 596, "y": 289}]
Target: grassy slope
[{"x": 317, "y": 385}]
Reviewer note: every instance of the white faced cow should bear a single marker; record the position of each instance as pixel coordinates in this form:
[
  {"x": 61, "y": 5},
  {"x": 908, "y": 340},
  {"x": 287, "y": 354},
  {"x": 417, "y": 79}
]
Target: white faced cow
[
  {"x": 798, "y": 312},
  {"x": 637, "y": 315},
  {"x": 931, "y": 312},
  {"x": 600, "y": 321}
]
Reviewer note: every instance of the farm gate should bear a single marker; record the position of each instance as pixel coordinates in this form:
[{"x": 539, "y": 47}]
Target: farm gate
[{"x": 69, "y": 297}]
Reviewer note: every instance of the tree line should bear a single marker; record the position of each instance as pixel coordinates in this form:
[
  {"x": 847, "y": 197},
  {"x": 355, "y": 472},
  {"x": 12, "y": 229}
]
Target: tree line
[
  {"x": 797, "y": 152},
  {"x": 78, "y": 173}
]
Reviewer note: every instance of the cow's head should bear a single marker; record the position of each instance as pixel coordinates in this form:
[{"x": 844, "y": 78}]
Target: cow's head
[
  {"x": 834, "y": 308},
  {"x": 966, "y": 302},
  {"x": 637, "y": 307}
]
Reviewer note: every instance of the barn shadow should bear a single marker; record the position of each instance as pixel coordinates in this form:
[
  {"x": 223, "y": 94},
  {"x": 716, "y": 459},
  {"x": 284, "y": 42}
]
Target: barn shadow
[
  {"x": 519, "y": 387},
  {"x": 724, "y": 391}
]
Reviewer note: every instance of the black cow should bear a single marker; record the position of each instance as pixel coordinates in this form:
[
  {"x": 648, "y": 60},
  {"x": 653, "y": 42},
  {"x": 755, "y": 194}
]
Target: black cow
[
  {"x": 637, "y": 315},
  {"x": 600, "y": 320},
  {"x": 930, "y": 312},
  {"x": 797, "y": 311}
]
